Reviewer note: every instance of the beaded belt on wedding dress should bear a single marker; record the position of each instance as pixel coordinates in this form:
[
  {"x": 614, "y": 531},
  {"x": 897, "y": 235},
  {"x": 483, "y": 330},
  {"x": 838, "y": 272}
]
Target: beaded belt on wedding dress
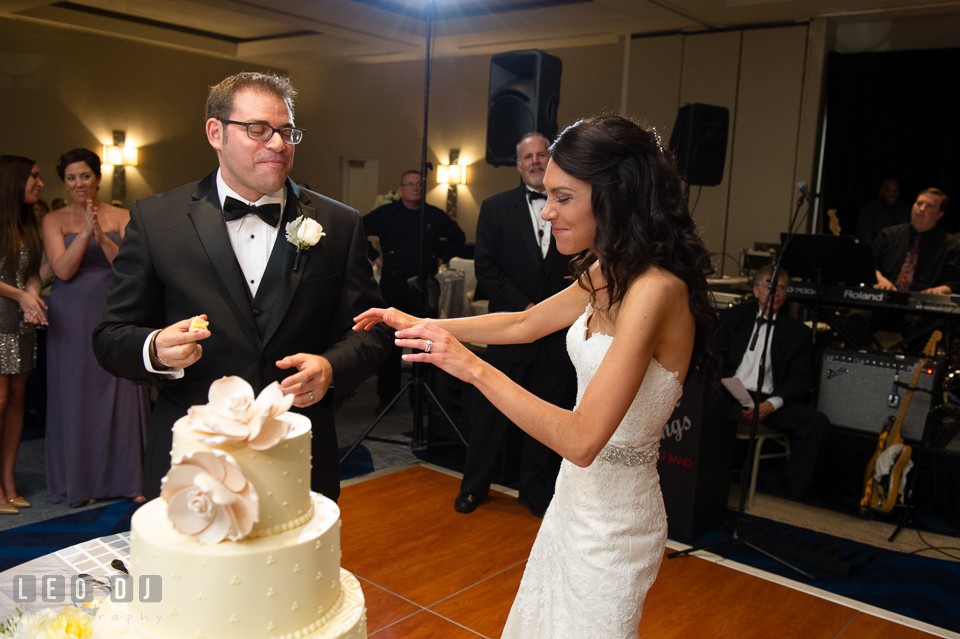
[{"x": 630, "y": 457}]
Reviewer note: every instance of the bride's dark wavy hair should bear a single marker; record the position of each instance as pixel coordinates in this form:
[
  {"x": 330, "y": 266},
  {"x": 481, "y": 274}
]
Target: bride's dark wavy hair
[{"x": 640, "y": 206}]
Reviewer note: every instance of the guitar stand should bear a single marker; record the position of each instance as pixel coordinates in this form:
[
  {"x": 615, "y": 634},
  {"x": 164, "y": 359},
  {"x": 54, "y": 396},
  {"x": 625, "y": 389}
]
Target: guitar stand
[{"x": 906, "y": 516}]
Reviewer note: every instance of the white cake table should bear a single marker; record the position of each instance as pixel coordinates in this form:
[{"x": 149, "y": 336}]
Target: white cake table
[{"x": 91, "y": 557}]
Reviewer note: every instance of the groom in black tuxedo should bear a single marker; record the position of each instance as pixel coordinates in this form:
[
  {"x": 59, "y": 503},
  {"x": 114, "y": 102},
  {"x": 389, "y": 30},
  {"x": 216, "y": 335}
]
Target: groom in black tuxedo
[{"x": 219, "y": 248}]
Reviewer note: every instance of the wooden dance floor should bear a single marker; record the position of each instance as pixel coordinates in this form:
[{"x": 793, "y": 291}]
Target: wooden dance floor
[{"x": 428, "y": 571}]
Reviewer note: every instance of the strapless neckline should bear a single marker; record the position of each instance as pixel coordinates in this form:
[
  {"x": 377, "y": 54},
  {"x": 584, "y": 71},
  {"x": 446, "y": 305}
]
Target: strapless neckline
[{"x": 673, "y": 375}]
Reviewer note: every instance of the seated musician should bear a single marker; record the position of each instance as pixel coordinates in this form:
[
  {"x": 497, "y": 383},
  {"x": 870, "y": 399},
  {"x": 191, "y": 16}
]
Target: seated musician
[
  {"x": 788, "y": 377},
  {"x": 919, "y": 256}
]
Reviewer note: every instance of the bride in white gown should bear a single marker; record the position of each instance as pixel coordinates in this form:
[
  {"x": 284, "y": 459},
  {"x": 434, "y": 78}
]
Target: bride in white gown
[{"x": 639, "y": 318}]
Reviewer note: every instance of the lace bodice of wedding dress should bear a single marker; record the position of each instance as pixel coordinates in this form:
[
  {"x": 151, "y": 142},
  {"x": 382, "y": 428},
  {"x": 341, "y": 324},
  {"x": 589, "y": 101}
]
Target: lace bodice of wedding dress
[{"x": 602, "y": 539}]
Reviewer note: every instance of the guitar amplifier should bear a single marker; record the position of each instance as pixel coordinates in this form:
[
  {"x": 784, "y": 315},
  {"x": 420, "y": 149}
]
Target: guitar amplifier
[{"x": 856, "y": 389}]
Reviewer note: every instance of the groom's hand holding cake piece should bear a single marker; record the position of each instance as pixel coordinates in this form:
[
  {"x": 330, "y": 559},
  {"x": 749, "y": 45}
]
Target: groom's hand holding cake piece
[
  {"x": 177, "y": 346},
  {"x": 310, "y": 383}
]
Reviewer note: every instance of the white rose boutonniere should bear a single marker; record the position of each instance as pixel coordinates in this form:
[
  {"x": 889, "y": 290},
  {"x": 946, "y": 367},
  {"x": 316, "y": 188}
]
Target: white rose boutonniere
[{"x": 303, "y": 233}]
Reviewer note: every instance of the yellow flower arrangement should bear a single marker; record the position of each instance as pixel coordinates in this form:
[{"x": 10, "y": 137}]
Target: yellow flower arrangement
[{"x": 67, "y": 623}]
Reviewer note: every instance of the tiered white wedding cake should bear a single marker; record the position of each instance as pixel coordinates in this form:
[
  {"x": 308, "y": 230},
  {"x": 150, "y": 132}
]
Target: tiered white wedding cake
[{"x": 242, "y": 547}]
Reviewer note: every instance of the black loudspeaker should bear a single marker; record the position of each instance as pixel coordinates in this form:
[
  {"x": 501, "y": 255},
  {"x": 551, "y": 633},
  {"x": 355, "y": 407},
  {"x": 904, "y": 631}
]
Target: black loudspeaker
[
  {"x": 696, "y": 461},
  {"x": 524, "y": 94},
  {"x": 699, "y": 140},
  {"x": 857, "y": 390}
]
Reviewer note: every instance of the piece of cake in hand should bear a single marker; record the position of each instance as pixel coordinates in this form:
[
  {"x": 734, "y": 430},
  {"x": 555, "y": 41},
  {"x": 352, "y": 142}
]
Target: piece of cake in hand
[{"x": 199, "y": 324}]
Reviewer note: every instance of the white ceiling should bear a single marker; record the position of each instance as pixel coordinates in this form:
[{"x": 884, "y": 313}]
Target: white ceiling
[{"x": 282, "y": 33}]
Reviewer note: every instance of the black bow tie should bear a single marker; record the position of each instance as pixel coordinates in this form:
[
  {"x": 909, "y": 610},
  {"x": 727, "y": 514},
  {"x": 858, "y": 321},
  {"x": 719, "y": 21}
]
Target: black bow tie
[
  {"x": 756, "y": 332},
  {"x": 234, "y": 209},
  {"x": 536, "y": 195}
]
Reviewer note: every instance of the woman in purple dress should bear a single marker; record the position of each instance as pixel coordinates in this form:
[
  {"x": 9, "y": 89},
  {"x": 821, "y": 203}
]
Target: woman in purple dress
[
  {"x": 20, "y": 310},
  {"x": 96, "y": 423}
]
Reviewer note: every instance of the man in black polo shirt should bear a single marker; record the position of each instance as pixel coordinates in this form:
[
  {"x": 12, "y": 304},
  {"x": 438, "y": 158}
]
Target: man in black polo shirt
[{"x": 919, "y": 256}]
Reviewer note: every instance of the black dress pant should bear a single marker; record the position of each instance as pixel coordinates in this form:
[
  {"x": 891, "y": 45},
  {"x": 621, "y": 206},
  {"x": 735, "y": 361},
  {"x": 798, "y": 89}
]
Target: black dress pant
[{"x": 492, "y": 433}]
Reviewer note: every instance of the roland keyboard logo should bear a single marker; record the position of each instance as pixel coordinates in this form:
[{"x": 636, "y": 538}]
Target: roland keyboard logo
[{"x": 864, "y": 296}]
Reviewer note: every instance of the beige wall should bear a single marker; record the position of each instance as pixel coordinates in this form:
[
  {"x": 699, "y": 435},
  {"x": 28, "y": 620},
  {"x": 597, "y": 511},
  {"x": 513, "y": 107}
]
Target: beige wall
[
  {"x": 61, "y": 89},
  {"x": 762, "y": 77},
  {"x": 363, "y": 111}
]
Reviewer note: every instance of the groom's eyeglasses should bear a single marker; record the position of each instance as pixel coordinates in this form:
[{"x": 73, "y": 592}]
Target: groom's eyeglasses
[{"x": 263, "y": 132}]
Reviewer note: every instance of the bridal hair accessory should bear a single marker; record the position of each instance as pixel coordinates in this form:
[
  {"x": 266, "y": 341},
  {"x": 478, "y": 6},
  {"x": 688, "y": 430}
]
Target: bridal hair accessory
[
  {"x": 429, "y": 346},
  {"x": 234, "y": 415},
  {"x": 209, "y": 497},
  {"x": 303, "y": 233}
]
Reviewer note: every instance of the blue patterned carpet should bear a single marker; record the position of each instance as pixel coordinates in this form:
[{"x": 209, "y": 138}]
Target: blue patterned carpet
[
  {"x": 22, "y": 544},
  {"x": 18, "y": 545},
  {"x": 921, "y": 587}
]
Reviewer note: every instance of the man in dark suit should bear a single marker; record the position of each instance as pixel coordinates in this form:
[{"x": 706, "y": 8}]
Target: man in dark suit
[
  {"x": 274, "y": 309},
  {"x": 517, "y": 266},
  {"x": 788, "y": 377}
]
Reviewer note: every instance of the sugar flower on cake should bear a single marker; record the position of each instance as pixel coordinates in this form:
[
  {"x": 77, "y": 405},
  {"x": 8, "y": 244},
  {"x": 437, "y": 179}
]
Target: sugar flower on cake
[
  {"x": 209, "y": 497},
  {"x": 234, "y": 415}
]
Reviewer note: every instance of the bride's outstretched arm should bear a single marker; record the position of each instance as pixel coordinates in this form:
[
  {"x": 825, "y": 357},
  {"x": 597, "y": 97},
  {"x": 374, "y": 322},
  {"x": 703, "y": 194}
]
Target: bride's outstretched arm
[
  {"x": 549, "y": 316},
  {"x": 653, "y": 317}
]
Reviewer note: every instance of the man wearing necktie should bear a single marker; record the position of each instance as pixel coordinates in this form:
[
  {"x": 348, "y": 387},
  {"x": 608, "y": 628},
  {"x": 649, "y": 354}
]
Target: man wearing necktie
[
  {"x": 218, "y": 248},
  {"x": 517, "y": 266},
  {"x": 788, "y": 377},
  {"x": 919, "y": 255}
]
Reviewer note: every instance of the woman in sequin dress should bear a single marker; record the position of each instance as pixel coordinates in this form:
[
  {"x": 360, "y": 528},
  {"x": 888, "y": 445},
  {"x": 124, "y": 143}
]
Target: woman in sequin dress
[
  {"x": 639, "y": 318},
  {"x": 21, "y": 309},
  {"x": 96, "y": 423}
]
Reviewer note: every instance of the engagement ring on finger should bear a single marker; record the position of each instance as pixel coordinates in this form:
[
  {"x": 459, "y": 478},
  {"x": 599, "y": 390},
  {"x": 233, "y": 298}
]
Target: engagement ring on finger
[
  {"x": 429, "y": 345},
  {"x": 310, "y": 393}
]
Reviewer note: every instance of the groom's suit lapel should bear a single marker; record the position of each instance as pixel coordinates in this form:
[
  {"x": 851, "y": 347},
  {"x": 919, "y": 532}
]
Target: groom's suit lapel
[
  {"x": 280, "y": 281},
  {"x": 205, "y": 213}
]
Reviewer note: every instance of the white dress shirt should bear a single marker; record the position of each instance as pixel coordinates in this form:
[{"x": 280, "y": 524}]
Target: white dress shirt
[
  {"x": 749, "y": 368},
  {"x": 542, "y": 229},
  {"x": 252, "y": 240}
]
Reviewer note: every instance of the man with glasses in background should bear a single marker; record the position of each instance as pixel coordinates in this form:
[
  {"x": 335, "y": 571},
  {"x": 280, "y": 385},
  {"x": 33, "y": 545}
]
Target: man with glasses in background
[
  {"x": 398, "y": 226},
  {"x": 219, "y": 248},
  {"x": 788, "y": 377}
]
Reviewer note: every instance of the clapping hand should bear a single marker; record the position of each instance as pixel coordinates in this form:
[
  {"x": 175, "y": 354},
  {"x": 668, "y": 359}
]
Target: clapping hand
[{"x": 92, "y": 221}]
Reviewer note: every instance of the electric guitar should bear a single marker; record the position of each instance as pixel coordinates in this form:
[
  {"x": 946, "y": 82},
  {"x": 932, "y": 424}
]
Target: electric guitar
[
  {"x": 882, "y": 494},
  {"x": 834, "y": 222}
]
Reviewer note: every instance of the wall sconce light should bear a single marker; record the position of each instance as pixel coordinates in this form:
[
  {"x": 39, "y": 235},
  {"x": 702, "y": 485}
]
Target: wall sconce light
[
  {"x": 120, "y": 155},
  {"x": 451, "y": 174}
]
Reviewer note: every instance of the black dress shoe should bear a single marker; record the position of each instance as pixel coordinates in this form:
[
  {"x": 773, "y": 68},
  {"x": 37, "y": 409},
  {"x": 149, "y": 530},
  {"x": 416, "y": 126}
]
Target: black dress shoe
[
  {"x": 536, "y": 509},
  {"x": 467, "y": 502}
]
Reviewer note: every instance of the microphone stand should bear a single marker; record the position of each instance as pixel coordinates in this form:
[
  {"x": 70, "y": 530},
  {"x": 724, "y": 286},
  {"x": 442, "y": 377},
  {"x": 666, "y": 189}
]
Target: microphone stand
[
  {"x": 738, "y": 534},
  {"x": 418, "y": 378}
]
